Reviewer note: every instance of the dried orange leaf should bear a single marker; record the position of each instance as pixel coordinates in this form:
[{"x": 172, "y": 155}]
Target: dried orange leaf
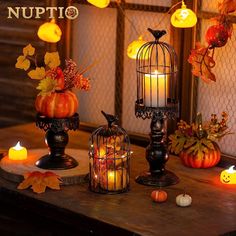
[
  {"x": 39, "y": 181},
  {"x": 28, "y": 50},
  {"x": 22, "y": 63},
  {"x": 227, "y": 6},
  {"x": 202, "y": 63},
  {"x": 52, "y": 59}
]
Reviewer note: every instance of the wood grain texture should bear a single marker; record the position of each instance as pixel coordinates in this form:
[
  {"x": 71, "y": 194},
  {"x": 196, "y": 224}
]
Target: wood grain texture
[
  {"x": 15, "y": 170},
  {"x": 212, "y": 212}
]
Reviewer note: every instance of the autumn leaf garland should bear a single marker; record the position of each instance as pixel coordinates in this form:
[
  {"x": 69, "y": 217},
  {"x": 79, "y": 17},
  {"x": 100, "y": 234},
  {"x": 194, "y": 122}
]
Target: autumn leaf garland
[{"x": 217, "y": 35}]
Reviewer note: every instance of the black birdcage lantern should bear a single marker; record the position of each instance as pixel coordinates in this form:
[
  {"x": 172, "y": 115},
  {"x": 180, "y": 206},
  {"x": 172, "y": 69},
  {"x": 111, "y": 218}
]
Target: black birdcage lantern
[
  {"x": 109, "y": 156},
  {"x": 157, "y": 99}
]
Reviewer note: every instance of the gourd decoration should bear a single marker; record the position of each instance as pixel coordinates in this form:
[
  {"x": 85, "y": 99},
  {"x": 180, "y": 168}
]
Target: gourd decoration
[
  {"x": 217, "y": 36},
  {"x": 159, "y": 196},
  {"x": 196, "y": 143},
  {"x": 183, "y": 200},
  {"x": 58, "y": 104}
]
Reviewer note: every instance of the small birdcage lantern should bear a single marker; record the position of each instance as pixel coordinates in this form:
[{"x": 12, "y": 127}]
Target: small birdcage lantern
[
  {"x": 157, "y": 99},
  {"x": 109, "y": 156}
]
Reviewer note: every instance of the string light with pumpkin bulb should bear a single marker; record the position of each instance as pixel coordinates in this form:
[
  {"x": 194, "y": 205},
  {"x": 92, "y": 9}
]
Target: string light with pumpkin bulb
[
  {"x": 50, "y": 32},
  {"x": 99, "y": 3},
  {"x": 181, "y": 18}
]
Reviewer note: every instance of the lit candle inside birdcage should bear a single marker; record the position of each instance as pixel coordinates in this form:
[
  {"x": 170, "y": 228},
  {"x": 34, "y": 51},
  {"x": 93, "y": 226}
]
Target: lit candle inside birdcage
[
  {"x": 109, "y": 158},
  {"x": 155, "y": 89},
  {"x": 157, "y": 99}
]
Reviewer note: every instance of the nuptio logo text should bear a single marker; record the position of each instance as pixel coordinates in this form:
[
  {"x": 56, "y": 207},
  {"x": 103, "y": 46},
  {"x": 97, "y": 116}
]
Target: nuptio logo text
[{"x": 70, "y": 12}]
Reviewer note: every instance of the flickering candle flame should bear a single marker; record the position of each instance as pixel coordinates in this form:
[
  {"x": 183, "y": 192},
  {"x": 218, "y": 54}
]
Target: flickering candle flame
[
  {"x": 17, "y": 152},
  {"x": 231, "y": 170},
  {"x": 228, "y": 176}
]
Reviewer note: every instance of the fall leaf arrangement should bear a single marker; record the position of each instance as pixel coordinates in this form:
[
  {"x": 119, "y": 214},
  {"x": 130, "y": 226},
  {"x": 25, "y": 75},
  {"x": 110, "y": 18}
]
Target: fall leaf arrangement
[
  {"x": 217, "y": 35},
  {"x": 51, "y": 77},
  {"x": 198, "y": 138}
]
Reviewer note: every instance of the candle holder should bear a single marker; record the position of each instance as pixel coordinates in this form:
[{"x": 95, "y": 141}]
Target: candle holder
[
  {"x": 56, "y": 139},
  {"x": 157, "y": 99},
  {"x": 109, "y": 156}
]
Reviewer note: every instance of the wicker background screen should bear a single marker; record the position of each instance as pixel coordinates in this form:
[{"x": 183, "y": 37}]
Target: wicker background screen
[
  {"x": 94, "y": 39},
  {"x": 221, "y": 95}
]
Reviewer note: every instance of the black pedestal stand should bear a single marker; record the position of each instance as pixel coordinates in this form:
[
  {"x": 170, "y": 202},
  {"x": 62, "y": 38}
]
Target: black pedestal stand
[
  {"x": 56, "y": 139},
  {"x": 157, "y": 156}
]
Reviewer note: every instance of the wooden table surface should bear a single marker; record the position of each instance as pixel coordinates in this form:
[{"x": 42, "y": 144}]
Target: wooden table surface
[{"x": 213, "y": 211}]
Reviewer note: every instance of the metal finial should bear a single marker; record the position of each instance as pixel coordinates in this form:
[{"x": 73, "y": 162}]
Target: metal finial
[
  {"x": 110, "y": 118},
  {"x": 157, "y": 33}
]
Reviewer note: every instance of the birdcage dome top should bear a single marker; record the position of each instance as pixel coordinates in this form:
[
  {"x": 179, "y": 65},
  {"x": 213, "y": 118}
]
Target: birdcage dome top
[{"x": 156, "y": 56}]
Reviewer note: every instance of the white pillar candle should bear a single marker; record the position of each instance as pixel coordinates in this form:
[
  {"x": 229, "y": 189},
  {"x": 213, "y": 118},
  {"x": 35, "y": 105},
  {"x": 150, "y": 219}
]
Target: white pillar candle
[{"x": 155, "y": 86}]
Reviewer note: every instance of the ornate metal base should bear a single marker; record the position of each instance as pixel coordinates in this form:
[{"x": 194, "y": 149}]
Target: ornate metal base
[
  {"x": 56, "y": 139},
  {"x": 62, "y": 163},
  {"x": 163, "y": 179}
]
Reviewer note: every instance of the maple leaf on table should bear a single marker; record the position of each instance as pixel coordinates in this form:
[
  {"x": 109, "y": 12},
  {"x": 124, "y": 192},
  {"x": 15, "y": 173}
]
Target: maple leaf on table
[
  {"x": 39, "y": 181},
  {"x": 202, "y": 63}
]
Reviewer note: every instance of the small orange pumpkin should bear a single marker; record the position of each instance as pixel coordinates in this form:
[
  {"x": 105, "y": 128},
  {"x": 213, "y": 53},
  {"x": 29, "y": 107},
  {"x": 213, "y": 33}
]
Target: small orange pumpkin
[
  {"x": 209, "y": 159},
  {"x": 59, "y": 104},
  {"x": 159, "y": 196},
  {"x": 57, "y": 74}
]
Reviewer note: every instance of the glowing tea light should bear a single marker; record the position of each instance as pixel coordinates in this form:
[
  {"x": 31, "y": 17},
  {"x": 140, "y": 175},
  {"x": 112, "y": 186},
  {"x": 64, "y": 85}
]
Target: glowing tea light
[
  {"x": 155, "y": 86},
  {"x": 17, "y": 153},
  {"x": 228, "y": 176},
  {"x": 116, "y": 179}
]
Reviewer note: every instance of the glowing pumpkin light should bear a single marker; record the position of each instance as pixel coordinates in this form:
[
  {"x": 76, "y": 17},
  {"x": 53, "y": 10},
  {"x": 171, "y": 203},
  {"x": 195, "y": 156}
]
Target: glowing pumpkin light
[
  {"x": 134, "y": 47},
  {"x": 99, "y": 3},
  {"x": 228, "y": 176},
  {"x": 50, "y": 32},
  {"x": 183, "y": 17}
]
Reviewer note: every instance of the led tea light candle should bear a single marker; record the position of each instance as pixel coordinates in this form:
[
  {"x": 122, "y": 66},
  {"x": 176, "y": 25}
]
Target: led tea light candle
[
  {"x": 115, "y": 179},
  {"x": 17, "y": 153},
  {"x": 155, "y": 86},
  {"x": 228, "y": 176}
]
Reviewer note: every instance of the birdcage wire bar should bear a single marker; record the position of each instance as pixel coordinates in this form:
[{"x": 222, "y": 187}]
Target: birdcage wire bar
[{"x": 109, "y": 160}]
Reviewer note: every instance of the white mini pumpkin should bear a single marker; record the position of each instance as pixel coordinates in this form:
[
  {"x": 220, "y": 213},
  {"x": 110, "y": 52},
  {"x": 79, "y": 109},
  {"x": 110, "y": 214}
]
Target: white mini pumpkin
[{"x": 183, "y": 200}]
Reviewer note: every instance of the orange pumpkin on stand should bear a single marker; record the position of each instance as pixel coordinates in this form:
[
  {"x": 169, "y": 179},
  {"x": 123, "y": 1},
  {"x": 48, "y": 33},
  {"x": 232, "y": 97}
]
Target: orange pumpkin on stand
[{"x": 59, "y": 104}]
